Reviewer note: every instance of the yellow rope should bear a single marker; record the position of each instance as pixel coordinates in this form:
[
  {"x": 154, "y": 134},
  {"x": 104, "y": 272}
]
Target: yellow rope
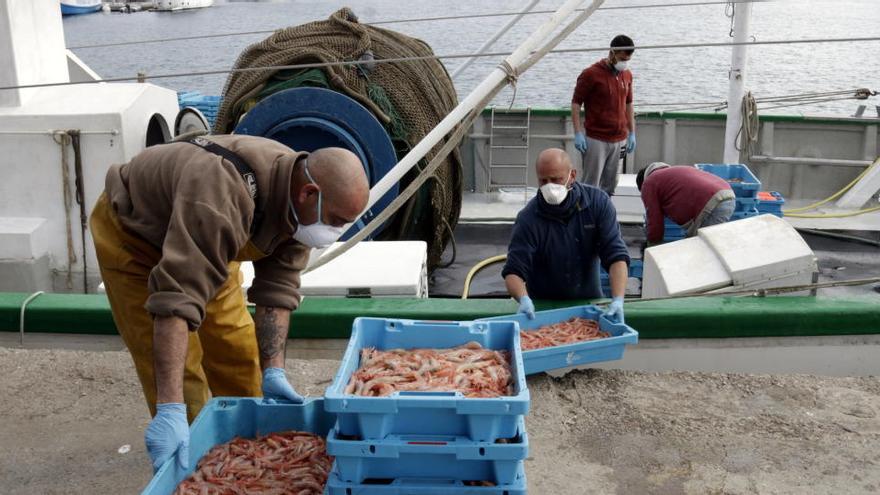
[{"x": 833, "y": 215}]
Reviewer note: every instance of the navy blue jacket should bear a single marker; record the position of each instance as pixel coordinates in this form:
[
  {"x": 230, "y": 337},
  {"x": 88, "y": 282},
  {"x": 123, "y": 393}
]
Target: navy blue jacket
[{"x": 556, "y": 249}]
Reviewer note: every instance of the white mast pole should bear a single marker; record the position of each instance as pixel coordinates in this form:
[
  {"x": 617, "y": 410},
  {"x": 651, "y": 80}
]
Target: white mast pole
[{"x": 737, "y": 79}]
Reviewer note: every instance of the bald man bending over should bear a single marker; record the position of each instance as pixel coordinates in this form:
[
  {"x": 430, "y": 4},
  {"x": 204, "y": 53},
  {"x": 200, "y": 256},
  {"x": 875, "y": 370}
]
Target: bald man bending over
[
  {"x": 560, "y": 237},
  {"x": 170, "y": 232}
]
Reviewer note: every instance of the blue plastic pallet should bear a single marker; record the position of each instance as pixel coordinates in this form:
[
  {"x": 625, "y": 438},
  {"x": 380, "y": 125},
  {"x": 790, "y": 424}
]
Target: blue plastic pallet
[
  {"x": 745, "y": 203},
  {"x": 746, "y": 186},
  {"x": 428, "y": 456},
  {"x": 564, "y": 356},
  {"x": 739, "y": 215},
  {"x": 428, "y": 413},
  {"x": 225, "y": 418},
  {"x": 423, "y": 486}
]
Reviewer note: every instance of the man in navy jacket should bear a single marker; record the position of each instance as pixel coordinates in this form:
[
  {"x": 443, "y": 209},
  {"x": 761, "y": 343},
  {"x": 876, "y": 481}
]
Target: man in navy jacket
[{"x": 560, "y": 237}]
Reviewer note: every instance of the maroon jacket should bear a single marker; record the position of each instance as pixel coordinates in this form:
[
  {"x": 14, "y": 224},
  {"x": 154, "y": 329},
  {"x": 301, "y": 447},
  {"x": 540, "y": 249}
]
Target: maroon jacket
[
  {"x": 680, "y": 193},
  {"x": 604, "y": 93}
]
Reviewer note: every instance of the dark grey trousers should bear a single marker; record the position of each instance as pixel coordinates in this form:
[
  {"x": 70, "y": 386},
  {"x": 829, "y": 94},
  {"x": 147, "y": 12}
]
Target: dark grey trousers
[{"x": 601, "y": 163}]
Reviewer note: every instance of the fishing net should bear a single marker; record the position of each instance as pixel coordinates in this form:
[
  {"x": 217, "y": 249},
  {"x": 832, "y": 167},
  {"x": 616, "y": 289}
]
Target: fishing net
[{"x": 409, "y": 98}]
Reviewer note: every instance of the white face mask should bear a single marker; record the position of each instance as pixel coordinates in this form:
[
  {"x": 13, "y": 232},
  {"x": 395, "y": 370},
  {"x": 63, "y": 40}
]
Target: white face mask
[
  {"x": 621, "y": 65},
  {"x": 554, "y": 193},
  {"x": 317, "y": 235}
]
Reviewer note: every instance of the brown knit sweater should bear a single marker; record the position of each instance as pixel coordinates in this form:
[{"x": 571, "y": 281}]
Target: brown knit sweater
[{"x": 195, "y": 207}]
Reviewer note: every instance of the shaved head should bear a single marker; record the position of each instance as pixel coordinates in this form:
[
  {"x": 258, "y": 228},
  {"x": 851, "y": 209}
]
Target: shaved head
[
  {"x": 339, "y": 175},
  {"x": 554, "y": 165}
]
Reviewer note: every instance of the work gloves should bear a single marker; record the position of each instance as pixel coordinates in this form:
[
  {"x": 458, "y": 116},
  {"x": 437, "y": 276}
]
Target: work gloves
[
  {"x": 527, "y": 307},
  {"x": 166, "y": 433},
  {"x": 615, "y": 310},
  {"x": 631, "y": 142},
  {"x": 580, "y": 141},
  {"x": 277, "y": 388}
]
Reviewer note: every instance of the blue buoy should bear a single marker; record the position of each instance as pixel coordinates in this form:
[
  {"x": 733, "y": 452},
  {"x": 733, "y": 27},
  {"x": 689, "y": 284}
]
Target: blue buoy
[{"x": 306, "y": 119}]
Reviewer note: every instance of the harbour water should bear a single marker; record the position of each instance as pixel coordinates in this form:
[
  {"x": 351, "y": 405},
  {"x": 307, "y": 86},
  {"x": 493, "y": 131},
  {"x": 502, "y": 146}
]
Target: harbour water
[{"x": 675, "y": 76}]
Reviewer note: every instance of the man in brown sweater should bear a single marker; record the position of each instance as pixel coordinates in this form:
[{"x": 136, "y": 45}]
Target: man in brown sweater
[{"x": 170, "y": 232}]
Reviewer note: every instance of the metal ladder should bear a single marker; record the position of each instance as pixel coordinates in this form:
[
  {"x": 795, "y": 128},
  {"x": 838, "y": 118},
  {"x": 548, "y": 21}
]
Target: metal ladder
[{"x": 504, "y": 134}]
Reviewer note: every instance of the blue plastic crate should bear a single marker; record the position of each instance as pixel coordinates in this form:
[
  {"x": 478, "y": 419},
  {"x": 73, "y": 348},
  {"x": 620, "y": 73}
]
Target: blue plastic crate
[
  {"x": 564, "y": 356},
  {"x": 428, "y": 413},
  {"x": 672, "y": 231},
  {"x": 635, "y": 271},
  {"x": 428, "y": 456},
  {"x": 770, "y": 202},
  {"x": 225, "y": 418},
  {"x": 423, "y": 486},
  {"x": 741, "y": 179}
]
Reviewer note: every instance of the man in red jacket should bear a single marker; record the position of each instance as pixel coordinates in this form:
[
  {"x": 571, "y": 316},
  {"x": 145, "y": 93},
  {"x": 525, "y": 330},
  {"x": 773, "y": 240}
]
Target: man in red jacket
[
  {"x": 608, "y": 130},
  {"x": 690, "y": 197}
]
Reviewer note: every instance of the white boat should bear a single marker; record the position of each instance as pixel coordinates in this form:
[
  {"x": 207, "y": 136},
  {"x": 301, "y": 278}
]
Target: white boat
[
  {"x": 74, "y": 7},
  {"x": 182, "y": 4}
]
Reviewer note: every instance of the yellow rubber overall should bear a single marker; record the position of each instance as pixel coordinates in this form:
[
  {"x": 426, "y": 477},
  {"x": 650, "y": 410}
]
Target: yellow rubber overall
[{"x": 222, "y": 355}]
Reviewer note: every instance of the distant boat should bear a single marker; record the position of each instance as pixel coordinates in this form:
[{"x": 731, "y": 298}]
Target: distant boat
[
  {"x": 74, "y": 7},
  {"x": 182, "y": 4}
]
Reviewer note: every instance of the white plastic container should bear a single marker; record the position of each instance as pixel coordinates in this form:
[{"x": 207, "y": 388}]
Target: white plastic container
[{"x": 753, "y": 253}]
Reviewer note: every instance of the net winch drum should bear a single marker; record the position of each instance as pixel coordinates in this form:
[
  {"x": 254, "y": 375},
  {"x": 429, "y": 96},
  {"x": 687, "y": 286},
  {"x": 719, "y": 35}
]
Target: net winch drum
[{"x": 307, "y": 119}]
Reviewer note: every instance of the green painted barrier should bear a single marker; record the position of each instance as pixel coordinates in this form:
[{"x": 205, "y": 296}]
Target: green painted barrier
[{"x": 698, "y": 317}]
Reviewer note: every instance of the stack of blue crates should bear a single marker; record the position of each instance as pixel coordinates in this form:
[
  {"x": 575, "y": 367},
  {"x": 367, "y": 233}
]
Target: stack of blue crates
[
  {"x": 208, "y": 105},
  {"x": 439, "y": 442},
  {"x": 744, "y": 184}
]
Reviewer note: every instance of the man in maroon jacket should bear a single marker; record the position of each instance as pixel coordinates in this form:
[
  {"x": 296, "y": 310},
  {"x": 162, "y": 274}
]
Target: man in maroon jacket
[
  {"x": 690, "y": 197},
  {"x": 608, "y": 130}
]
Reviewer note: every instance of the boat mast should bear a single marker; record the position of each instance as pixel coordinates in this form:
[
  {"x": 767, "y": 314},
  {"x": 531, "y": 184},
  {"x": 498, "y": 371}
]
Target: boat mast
[{"x": 737, "y": 79}]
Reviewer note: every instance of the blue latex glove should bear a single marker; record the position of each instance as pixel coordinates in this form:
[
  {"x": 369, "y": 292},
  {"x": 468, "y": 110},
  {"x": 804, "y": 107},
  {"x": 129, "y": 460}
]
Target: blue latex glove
[
  {"x": 167, "y": 432},
  {"x": 615, "y": 310},
  {"x": 277, "y": 388},
  {"x": 526, "y": 306},
  {"x": 631, "y": 142},
  {"x": 580, "y": 142}
]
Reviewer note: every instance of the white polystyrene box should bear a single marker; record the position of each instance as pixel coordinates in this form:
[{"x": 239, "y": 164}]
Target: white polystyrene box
[
  {"x": 628, "y": 201},
  {"x": 626, "y": 186},
  {"x": 369, "y": 269},
  {"x": 682, "y": 267},
  {"x": 23, "y": 238},
  {"x": 759, "y": 248}
]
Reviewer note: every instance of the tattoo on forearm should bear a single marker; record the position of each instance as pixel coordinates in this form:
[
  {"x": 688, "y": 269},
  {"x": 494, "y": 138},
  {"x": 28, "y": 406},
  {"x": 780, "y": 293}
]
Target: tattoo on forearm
[{"x": 269, "y": 337}]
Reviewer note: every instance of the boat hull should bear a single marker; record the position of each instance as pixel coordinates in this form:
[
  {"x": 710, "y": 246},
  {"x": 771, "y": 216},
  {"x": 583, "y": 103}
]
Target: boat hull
[
  {"x": 74, "y": 8},
  {"x": 170, "y": 5}
]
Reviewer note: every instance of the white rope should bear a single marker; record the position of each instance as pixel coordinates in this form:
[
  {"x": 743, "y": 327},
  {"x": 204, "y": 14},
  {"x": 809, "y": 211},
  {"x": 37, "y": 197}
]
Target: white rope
[{"x": 24, "y": 306}]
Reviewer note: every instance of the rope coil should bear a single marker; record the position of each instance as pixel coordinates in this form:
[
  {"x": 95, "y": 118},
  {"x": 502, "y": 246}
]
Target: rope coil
[{"x": 512, "y": 78}]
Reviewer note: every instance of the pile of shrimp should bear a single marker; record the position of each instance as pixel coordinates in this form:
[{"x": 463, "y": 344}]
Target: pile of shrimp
[
  {"x": 565, "y": 332},
  {"x": 469, "y": 369},
  {"x": 285, "y": 462}
]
